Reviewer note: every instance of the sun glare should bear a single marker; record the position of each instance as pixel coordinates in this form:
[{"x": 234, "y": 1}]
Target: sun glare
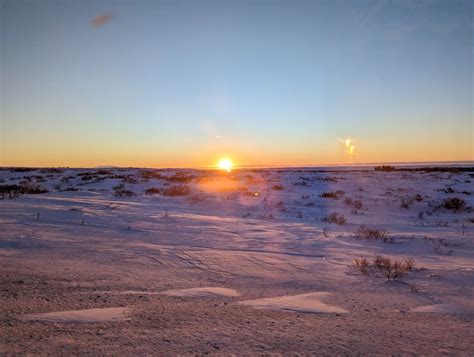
[{"x": 225, "y": 164}]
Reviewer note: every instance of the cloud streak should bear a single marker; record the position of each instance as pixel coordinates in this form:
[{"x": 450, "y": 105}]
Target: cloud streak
[{"x": 101, "y": 20}]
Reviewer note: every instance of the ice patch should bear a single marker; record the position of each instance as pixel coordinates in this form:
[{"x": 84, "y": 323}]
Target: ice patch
[
  {"x": 202, "y": 292},
  {"x": 82, "y": 316},
  {"x": 305, "y": 303}
]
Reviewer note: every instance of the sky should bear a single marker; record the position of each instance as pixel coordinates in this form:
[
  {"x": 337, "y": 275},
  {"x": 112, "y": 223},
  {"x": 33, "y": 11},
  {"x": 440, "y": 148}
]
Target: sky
[{"x": 185, "y": 83}]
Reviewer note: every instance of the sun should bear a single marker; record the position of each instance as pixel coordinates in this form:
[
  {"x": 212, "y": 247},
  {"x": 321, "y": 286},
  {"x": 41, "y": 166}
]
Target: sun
[{"x": 225, "y": 164}]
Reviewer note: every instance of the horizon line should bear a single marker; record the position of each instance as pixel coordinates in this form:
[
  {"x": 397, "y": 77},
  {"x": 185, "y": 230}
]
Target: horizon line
[{"x": 277, "y": 166}]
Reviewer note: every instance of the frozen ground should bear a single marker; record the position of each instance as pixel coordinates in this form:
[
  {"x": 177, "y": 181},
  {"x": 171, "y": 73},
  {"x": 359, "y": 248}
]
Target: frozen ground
[{"x": 248, "y": 262}]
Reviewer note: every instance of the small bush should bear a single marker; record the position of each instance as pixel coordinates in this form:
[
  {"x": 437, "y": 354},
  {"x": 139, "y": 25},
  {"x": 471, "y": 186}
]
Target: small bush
[
  {"x": 24, "y": 188},
  {"x": 357, "y": 204},
  {"x": 455, "y": 204},
  {"x": 152, "y": 191},
  {"x": 33, "y": 190},
  {"x": 278, "y": 187},
  {"x": 70, "y": 189},
  {"x": 120, "y": 191},
  {"x": 405, "y": 203},
  {"x": 104, "y": 172},
  {"x": 371, "y": 233},
  {"x": 333, "y": 194},
  {"x": 195, "y": 199},
  {"x": 9, "y": 188},
  {"x": 52, "y": 170},
  {"x": 337, "y": 218},
  {"x": 180, "y": 177},
  {"x": 22, "y": 169},
  {"x": 130, "y": 179},
  {"x": 86, "y": 177},
  {"x": 176, "y": 190},
  {"x": 392, "y": 269},
  {"x": 147, "y": 175},
  {"x": 409, "y": 264},
  {"x": 385, "y": 168},
  {"x": 280, "y": 205},
  {"x": 363, "y": 265}
]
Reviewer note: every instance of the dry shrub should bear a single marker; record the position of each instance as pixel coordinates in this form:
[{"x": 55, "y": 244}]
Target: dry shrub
[
  {"x": 104, "y": 172},
  {"x": 405, "y": 203},
  {"x": 418, "y": 198},
  {"x": 24, "y": 188},
  {"x": 335, "y": 195},
  {"x": 371, "y": 233},
  {"x": 357, "y": 204},
  {"x": 409, "y": 264},
  {"x": 70, "y": 189},
  {"x": 22, "y": 169},
  {"x": 120, "y": 191},
  {"x": 363, "y": 265},
  {"x": 386, "y": 168},
  {"x": 52, "y": 170},
  {"x": 195, "y": 199},
  {"x": 85, "y": 176},
  {"x": 280, "y": 205},
  {"x": 180, "y": 177},
  {"x": 152, "y": 191},
  {"x": 176, "y": 190},
  {"x": 130, "y": 179},
  {"x": 455, "y": 204},
  {"x": 147, "y": 175},
  {"x": 390, "y": 269},
  {"x": 335, "y": 217},
  {"x": 9, "y": 188}
]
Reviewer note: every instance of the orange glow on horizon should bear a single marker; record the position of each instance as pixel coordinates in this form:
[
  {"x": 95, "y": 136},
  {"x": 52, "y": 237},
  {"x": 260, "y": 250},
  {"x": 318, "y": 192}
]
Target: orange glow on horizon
[{"x": 330, "y": 151}]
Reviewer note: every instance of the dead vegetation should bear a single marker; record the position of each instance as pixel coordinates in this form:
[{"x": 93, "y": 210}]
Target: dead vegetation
[
  {"x": 24, "y": 188},
  {"x": 336, "y": 218},
  {"x": 149, "y": 175},
  {"x": 357, "y": 204},
  {"x": 176, "y": 190},
  {"x": 455, "y": 204},
  {"x": 180, "y": 177},
  {"x": 364, "y": 232},
  {"x": 278, "y": 187},
  {"x": 152, "y": 191},
  {"x": 440, "y": 246},
  {"x": 385, "y": 168},
  {"x": 335, "y": 195},
  {"x": 120, "y": 191},
  {"x": 390, "y": 269}
]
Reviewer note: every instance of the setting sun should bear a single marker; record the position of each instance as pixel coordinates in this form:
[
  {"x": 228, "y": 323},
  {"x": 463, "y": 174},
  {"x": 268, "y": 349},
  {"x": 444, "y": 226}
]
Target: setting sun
[{"x": 225, "y": 164}]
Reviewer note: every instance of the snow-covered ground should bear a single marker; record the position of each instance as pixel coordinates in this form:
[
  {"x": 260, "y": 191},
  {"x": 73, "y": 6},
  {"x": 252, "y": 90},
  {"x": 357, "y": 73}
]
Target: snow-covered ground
[{"x": 246, "y": 262}]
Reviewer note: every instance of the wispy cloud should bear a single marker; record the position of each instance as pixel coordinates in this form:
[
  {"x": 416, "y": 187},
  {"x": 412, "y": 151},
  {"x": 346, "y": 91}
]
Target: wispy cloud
[{"x": 101, "y": 20}]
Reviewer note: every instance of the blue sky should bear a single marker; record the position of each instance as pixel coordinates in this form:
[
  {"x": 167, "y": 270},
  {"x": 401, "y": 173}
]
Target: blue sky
[{"x": 182, "y": 83}]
